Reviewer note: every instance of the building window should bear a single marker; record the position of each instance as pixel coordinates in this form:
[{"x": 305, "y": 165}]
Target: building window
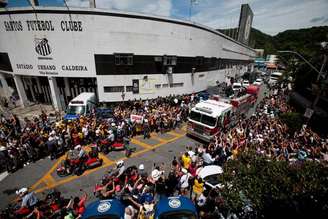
[
  {"x": 114, "y": 89},
  {"x": 165, "y": 85},
  {"x": 170, "y": 60},
  {"x": 123, "y": 59},
  {"x": 199, "y": 60},
  {"x": 201, "y": 76},
  {"x": 158, "y": 86},
  {"x": 176, "y": 85},
  {"x": 129, "y": 88}
]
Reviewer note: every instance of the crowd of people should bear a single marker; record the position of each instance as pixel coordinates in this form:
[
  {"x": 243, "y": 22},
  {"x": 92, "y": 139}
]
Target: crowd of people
[
  {"x": 140, "y": 188},
  {"x": 23, "y": 142}
]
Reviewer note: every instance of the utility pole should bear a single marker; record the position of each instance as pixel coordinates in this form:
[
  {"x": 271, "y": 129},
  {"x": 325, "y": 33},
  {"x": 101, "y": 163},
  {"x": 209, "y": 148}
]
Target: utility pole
[{"x": 321, "y": 74}]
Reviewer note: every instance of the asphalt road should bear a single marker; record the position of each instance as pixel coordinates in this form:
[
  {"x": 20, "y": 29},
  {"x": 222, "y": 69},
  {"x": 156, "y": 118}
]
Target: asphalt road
[{"x": 41, "y": 176}]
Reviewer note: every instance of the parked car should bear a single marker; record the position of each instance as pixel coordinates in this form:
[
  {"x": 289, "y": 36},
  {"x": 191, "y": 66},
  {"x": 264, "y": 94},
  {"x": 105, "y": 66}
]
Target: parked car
[
  {"x": 236, "y": 86},
  {"x": 274, "y": 77},
  {"x": 104, "y": 114},
  {"x": 246, "y": 83},
  {"x": 258, "y": 81}
]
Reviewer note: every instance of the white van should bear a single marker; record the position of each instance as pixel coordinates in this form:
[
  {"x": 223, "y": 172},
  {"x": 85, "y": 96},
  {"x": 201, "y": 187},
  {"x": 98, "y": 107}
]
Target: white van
[
  {"x": 274, "y": 77},
  {"x": 80, "y": 105}
]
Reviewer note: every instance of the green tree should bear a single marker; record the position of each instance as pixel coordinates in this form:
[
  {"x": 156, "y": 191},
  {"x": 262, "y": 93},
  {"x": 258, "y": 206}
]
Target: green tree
[{"x": 275, "y": 189}]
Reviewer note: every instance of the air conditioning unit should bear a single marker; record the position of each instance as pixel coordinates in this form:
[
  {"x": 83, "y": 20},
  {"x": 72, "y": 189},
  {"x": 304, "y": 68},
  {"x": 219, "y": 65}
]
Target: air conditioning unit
[{"x": 169, "y": 70}]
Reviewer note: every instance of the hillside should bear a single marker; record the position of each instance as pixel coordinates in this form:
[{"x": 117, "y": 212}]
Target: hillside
[{"x": 305, "y": 41}]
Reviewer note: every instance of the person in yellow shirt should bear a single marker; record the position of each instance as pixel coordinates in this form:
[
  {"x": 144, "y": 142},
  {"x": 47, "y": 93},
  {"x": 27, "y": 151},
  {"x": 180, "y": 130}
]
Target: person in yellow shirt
[
  {"x": 186, "y": 160},
  {"x": 197, "y": 188}
]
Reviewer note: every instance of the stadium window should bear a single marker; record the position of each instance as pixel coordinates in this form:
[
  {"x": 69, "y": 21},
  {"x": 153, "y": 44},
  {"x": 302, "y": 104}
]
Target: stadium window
[
  {"x": 199, "y": 60},
  {"x": 170, "y": 60},
  {"x": 158, "y": 86},
  {"x": 176, "y": 85},
  {"x": 114, "y": 89},
  {"x": 129, "y": 88},
  {"x": 123, "y": 59},
  {"x": 165, "y": 85}
]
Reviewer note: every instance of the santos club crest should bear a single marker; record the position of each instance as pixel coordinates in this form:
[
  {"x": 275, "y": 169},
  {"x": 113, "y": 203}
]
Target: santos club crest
[{"x": 42, "y": 46}]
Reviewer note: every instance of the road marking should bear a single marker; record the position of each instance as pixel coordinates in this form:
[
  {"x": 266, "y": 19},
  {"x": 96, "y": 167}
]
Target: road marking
[
  {"x": 105, "y": 159},
  {"x": 49, "y": 172},
  {"x": 3, "y": 175},
  {"x": 155, "y": 136},
  {"x": 140, "y": 143},
  {"x": 47, "y": 178},
  {"x": 174, "y": 133}
]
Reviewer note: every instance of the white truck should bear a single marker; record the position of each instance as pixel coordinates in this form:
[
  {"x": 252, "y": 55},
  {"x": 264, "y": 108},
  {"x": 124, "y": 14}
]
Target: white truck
[{"x": 80, "y": 105}]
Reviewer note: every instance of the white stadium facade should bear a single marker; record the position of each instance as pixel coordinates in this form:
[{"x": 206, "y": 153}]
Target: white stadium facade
[{"x": 51, "y": 54}]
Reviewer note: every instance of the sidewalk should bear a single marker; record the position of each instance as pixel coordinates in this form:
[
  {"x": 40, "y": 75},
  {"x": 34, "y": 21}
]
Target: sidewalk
[{"x": 29, "y": 111}]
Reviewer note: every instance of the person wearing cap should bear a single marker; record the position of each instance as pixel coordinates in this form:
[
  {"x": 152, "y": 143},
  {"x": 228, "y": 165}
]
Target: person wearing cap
[
  {"x": 114, "y": 129},
  {"x": 155, "y": 175},
  {"x": 29, "y": 200},
  {"x": 80, "y": 151},
  {"x": 184, "y": 181},
  {"x": 142, "y": 171},
  {"x": 52, "y": 144},
  {"x": 111, "y": 136},
  {"x": 119, "y": 169},
  {"x": 146, "y": 129}
]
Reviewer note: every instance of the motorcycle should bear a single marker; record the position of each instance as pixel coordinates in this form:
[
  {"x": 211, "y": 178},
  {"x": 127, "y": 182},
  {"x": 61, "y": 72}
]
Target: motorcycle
[
  {"x": 106, "y": 146},
  {"x": 75, "y": 165},
  {"x": 52, "y": 207},
  {"x": 103, "y": 145}
]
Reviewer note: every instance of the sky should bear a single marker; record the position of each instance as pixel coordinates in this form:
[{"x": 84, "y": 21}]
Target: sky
[{"x": 270, "y": 16}]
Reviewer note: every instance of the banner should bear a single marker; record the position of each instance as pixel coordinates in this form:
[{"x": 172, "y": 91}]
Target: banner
[
  {"x": 136, "y": 118},
  {"x": 147, "y": 86}
]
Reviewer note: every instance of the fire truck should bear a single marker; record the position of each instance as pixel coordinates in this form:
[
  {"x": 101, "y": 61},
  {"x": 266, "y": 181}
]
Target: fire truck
[{"x": 207, "y": 118}]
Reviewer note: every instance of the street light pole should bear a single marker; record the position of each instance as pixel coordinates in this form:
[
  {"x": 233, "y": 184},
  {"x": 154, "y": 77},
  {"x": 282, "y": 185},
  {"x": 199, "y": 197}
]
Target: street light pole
[
  {"x": 299, "y": 55},
  {"x": 320, "y": 73}
]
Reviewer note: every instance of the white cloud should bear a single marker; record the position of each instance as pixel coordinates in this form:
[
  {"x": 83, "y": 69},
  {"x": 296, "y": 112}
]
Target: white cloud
[
  {"x": 295, "y": 16},
  {"x": 269, "y": 16},
  {"x": 78, "y": 3},
  {"x": 157, "y": 7}
]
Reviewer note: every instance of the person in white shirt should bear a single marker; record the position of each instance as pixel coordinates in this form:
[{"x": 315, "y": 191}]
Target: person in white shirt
[
  {"x": 208, "y": 160},
  {"x": 184, "y": 181}
]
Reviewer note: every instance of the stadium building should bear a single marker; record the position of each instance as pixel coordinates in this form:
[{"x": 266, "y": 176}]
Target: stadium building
[{"x": 51, "y": 54}]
